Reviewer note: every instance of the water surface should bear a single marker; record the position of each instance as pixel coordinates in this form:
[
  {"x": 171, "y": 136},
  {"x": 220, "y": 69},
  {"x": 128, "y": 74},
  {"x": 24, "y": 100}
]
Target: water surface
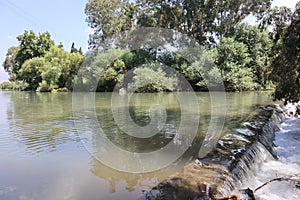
[
  {"x": 287, "y": 141},
  {"x": 42, "y": 156}
]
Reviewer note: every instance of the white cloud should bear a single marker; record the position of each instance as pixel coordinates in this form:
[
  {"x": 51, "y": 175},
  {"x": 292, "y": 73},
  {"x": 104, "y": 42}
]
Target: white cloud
[{"x": 10, "y": 37}]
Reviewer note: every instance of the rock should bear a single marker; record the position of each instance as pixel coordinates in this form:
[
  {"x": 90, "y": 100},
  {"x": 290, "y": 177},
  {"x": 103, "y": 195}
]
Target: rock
[
  {"x": 247, "y": 194},
  {"x": 197, "y": 181},
  {"x": 298, "y": 109}
]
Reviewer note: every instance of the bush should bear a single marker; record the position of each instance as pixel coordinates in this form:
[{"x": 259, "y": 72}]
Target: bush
[
  {"x": 15, "y": 85},
  {"x": 6, "y": 85},
  {"x": 149, "y": 79}
]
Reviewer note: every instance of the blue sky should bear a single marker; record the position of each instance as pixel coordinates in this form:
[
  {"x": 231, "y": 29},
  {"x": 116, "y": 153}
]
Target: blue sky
[{"x": 64, "y": 19}]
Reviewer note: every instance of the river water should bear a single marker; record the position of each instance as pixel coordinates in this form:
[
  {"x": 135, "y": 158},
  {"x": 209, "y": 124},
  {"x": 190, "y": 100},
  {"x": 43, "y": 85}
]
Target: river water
[
  {"x": 287, "y": 167},
  {"x": 44, "y": 154}
]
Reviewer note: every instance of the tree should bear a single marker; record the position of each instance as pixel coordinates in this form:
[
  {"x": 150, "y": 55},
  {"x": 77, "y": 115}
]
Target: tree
[
  {"x": 277, "y": 19},
  {"x": 232, "y": 59},
  {"x": 40, "y": 65},
  {"x": 75, "y": 62},
  {"x": 284, "y": 25},
  {"x": 101, "y": 71},
  {"x": 61, "y": 69},
  {"x": 9, "y": 62},
  {"x": 286, "y": 65},
  {"x": 30, "y": 46},
  {"x": 259, "y": 48},
  {"x": 57, "y": 69},
  {"x": 108, "y": 18},
  {"x": 232, "y": 12},
  {"x": 73, "y": 48},
  {"x": 31, "y": 72},
  {"x": 80, "y": 51},
  {"x": 201, "y": 20},
  {"x": 151, "y": 78}
]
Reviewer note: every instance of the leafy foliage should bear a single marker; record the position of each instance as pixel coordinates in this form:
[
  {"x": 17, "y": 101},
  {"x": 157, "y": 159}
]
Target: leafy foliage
[
  {"x": 198, "y": 19},
  {"x": 248, "y": 57},
  {"x": 115, "y": 69},
  {"x": 108, "y": 18},
  {"x": 276, "y": 19},
  {"x": 31, "y": 72},
  {"x": 60, "y": 69},
  {"x": 259, "y": 48},
  {"x": 31, "y": 45},
  {"x": 232, "y": 59},
  {"x": 14, "y": 85},
  {"x": 9, "y": 62},
  {"x": 151, "y": 78},
  {"x": 286, "y": 65}
]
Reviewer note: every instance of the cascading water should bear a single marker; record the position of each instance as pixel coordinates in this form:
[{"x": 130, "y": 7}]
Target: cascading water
[
  {"x": 270, "y": 167},
  {"x": 282, "y": 175},
  {"x": 258, "y": 152}
]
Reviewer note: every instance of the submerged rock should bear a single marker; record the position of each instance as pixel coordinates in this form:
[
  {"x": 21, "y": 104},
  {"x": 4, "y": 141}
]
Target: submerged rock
[{"x": 197, "y": 181}]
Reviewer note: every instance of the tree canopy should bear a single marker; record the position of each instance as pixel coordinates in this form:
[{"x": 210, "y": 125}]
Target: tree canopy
[
  {"x": 201, "y": 20},
  {"x": 286, "y": 63},
  {"x": 40, "y": 65},
  {"x": 247, "y": 57}
]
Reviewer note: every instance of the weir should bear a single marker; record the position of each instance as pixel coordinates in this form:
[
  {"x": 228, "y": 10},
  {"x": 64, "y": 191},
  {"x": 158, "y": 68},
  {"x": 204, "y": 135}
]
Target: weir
[{"x": 220, "y": 174}]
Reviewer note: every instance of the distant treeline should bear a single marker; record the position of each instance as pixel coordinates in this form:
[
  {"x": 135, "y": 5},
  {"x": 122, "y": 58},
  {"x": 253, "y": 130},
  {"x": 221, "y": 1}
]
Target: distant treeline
[{"x": 247, "y": 57}]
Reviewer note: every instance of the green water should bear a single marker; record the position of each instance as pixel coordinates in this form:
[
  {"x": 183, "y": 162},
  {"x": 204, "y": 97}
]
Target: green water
[{"x": 49, "y": 144}]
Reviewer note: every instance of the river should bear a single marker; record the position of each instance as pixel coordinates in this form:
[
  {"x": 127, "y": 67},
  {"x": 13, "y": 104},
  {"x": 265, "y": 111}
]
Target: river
[
  {"x": 49, "y": 148},
  {"x": 286, "y": 167}
]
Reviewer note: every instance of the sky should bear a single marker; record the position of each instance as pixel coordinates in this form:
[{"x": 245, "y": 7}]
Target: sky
[{"x": 63, "y": 19}]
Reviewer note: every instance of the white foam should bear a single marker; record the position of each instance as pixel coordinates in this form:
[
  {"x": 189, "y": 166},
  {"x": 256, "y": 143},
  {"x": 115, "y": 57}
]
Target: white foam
[{"x": 287, "y": 142}]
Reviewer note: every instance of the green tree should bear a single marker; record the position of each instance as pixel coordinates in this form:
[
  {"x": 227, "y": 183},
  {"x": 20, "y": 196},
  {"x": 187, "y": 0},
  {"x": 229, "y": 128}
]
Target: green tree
[
  {"x": 75, "y": 61},
  {"x": 259, "y": 48},
  {"x": 31, "y": 72},
  {"x": 286, "y": 65},
  {"x": 73, "y": 48},
  {"x": 232, "y": 59},
  {"x": 57, "y": 69},
  {"x": 108, "y": 18},
  {"x": 198, "y": 19},
  {"x": 61, "y": 69},
  {"x": 38, "y": 64},
  {"x": 9, "y": 62},
  {"x": 194, "y": 18},
  {"x": 276, "y": 19},
  {"x": 30, "y": 46},
  {"x": 80, "y": 51},
  {"x": 101, "y": 71},
  {"x": 151, "y": 78}
]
